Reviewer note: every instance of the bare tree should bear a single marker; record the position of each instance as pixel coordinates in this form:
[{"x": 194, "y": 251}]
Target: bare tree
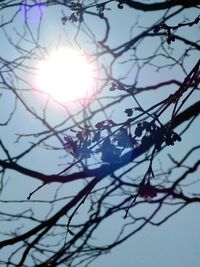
[{"x": 131, "y": 153}]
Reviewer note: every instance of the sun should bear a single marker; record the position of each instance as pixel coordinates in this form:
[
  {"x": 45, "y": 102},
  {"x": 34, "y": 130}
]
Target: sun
[{"x": 66, "y": 75}]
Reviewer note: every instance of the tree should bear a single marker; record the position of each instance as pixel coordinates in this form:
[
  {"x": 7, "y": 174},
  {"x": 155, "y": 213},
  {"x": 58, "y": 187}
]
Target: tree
[{"x": 131, "y": 153}]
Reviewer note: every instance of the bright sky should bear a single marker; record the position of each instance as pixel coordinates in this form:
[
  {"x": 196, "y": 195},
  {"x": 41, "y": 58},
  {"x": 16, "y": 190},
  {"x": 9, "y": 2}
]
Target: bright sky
[{"x": 174, "y": 244}]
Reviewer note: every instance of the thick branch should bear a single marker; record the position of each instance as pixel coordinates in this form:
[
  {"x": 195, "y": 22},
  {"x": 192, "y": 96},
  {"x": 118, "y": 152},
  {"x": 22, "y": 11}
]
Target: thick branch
[
  {"x": 162, "y": 5},
  {"x": 50, "y": 222},
  {"x": 105, "y": 170}
]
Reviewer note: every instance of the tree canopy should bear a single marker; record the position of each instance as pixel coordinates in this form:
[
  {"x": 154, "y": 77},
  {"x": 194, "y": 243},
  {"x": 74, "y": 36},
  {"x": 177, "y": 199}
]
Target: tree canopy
[{"x": 125, "y": 153}]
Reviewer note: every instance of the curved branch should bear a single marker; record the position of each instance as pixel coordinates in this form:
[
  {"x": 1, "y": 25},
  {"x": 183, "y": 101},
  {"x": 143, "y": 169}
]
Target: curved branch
[
  {"x": 50, "y": 222},
  {"x": 104, "y": 170},
  {"x": 162, "y": 5}
]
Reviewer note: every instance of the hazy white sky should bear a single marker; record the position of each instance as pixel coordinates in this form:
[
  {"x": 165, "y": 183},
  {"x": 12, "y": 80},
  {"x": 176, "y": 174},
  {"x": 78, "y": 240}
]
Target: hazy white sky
[{"x": 173, "y": 244}]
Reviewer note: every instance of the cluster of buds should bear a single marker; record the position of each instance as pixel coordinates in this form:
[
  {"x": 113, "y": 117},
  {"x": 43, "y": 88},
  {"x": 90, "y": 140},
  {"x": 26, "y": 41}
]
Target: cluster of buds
[
  {"x": 146, "y": 190},
  {"x": 121, "y": 4},
  {"x": 169, "y": 35}
]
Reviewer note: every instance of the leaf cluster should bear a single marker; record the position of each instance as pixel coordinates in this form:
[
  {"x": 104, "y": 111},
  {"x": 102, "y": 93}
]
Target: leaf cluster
[
  {"x": 152, "y": 133},
  {"x": 101, "y": 140}
]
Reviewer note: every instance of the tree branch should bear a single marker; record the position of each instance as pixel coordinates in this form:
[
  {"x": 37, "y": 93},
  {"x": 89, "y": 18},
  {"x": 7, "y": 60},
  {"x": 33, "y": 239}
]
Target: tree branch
[{"x": 162, "y": 5}]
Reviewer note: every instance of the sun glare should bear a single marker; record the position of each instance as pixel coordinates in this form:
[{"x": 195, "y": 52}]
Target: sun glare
[{"x": 66, "y": 76}]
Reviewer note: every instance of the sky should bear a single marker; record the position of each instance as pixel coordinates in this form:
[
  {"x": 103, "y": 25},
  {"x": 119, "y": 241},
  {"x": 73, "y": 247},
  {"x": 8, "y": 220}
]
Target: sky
[{"x": 177, "y": 241}]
